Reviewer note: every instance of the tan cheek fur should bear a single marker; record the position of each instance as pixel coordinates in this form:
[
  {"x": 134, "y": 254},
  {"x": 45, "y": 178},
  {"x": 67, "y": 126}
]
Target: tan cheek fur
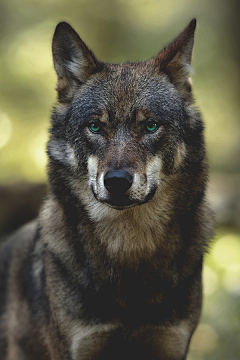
[
  {"x": 153, "y": 172},
  {"x": 71, "y": 156},
  {"x": 63, "y": 152},
  {"x": 180, "y": 154}
]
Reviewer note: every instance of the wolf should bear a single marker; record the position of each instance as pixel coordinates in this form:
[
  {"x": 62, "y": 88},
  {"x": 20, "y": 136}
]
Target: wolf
[{"x": 112, "y": 266}]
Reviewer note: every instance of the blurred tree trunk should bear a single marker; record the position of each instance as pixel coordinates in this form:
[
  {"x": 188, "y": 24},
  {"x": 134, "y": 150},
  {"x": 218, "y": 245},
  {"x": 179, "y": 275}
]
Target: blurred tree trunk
[{"x": 19, "y": 203}]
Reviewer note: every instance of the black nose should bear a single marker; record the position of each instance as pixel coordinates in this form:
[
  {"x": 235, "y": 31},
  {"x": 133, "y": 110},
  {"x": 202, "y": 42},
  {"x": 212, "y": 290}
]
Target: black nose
[{"x": 117, "y": 182}]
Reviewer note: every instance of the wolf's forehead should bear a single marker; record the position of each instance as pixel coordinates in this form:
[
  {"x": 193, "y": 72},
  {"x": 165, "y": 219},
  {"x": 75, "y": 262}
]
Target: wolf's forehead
[
  {"x": 136, "y": 88},
  {"x": 128, "y": 80},
  {"x": 130, "y": 88},
  {"x": 122, "y": 90}
]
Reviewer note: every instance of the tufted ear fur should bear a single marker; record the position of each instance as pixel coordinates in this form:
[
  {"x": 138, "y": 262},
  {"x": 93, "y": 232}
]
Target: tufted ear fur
[
  {"x": 73, "y": 61},
  {"x": 175, "y": 60}
]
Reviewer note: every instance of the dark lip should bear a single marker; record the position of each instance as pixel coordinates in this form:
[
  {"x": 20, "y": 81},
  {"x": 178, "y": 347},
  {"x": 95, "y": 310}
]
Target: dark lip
[
  {"x": 123, "y": 202},
  {"x": 121, "y": 207},
  {"x": 120, "y": 203}
]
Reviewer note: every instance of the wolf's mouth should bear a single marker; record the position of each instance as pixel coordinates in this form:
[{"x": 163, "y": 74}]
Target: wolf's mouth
[
  {"x": 120, "y": 202},
  {"x": 123, "y": 201}
]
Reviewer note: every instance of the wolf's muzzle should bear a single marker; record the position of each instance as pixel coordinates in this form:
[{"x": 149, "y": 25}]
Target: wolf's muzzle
[{"x": 117, "y": 182}]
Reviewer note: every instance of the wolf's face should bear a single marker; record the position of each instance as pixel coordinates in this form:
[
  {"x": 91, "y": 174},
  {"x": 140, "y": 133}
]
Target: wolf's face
[
  {"x": 129, "y": 140},
  {"x": 120, "y": 131}
]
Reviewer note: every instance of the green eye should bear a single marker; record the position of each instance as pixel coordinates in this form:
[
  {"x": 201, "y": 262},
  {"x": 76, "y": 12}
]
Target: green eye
[
  {"x": 151, "y": 126},
  {"x": 95, "y": 127}
]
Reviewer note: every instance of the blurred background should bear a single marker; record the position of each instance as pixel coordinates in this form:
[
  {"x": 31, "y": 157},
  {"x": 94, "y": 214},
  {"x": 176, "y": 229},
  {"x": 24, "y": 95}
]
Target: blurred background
[{"x": 118, "y": 31}]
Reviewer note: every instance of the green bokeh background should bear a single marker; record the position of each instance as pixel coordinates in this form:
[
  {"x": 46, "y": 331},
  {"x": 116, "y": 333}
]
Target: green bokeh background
[{"x": 118, "y": 31}]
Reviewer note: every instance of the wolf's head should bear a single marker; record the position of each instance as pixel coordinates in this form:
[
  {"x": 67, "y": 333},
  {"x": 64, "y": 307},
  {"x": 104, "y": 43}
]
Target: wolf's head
[{"x": 121, "y": 131}]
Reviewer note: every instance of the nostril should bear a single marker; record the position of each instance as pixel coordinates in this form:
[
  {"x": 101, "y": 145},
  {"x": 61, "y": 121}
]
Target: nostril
[{"x": 118, "y": 181}]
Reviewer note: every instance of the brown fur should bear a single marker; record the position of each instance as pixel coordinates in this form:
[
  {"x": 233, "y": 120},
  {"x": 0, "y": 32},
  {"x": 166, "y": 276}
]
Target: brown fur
[{"x": 111, "y": 269}]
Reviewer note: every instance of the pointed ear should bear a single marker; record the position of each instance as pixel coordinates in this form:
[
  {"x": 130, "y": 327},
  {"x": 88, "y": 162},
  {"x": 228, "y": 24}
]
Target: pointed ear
[
  {"x": 73, "y": 61},
  {"x": 175, "y": 60}
]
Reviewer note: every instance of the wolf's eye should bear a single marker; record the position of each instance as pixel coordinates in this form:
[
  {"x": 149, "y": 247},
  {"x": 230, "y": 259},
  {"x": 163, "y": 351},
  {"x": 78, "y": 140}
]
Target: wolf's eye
[
  {"x": 151, "y": 126},
  {"x": 95, "y": 127}
]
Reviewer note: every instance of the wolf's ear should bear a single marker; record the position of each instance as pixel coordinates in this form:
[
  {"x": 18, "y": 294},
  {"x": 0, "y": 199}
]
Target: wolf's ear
[
  {"x": 73, "y": 61},
  {"x": 175, "y": 60}
]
